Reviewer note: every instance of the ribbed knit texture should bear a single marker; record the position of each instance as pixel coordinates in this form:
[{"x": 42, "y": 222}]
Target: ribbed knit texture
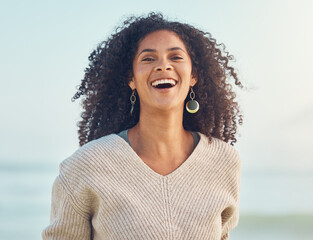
[{"x": 105, "y": 191}]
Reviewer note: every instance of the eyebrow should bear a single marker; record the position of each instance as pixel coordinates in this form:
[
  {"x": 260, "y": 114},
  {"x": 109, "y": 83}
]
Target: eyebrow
[{"x": 153, "y": 50}]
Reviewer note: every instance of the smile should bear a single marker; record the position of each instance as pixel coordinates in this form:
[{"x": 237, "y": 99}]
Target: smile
[{"x": 164, "y": 83}]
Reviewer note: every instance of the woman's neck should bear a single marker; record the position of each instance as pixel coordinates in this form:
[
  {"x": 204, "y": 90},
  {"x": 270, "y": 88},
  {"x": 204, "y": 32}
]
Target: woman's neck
[{"x": 161, "y": 137}]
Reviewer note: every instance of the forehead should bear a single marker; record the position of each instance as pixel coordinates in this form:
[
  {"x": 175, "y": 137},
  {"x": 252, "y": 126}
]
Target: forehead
[{"x": 161, "y": 39}]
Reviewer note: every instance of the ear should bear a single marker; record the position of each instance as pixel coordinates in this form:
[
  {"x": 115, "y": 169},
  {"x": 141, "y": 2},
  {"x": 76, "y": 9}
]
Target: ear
[
  {"x": 193, "y": 81},
  {"x": 131, "y": 84}
]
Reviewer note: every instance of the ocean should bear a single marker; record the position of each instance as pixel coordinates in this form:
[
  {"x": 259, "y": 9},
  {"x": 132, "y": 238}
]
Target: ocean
[{"x": 273, "y": 207}]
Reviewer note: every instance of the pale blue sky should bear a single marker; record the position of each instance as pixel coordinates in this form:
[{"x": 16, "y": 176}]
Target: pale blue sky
[{"x": 44, "y": 48}]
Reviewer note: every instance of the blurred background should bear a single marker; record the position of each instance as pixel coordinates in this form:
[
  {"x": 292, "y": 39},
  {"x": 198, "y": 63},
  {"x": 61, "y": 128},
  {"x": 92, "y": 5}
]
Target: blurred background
[{"x": 44, "y": 49}]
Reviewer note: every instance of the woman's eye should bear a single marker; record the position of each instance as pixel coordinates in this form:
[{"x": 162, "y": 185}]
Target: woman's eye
[
  {"x": 177, "y": 58},
  {"x": 147, "y": 59}
]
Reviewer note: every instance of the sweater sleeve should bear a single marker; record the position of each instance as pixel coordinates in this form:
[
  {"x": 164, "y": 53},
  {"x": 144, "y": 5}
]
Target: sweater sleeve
[
  {"x": 66, "y": 222},
  {"x": 230, "y": 215},
  {"x": 231, "y": 222}
]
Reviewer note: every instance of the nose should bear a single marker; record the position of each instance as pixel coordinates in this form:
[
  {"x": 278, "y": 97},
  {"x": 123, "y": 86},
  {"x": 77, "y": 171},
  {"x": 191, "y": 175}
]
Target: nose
[{"x": 163, "y": 66}]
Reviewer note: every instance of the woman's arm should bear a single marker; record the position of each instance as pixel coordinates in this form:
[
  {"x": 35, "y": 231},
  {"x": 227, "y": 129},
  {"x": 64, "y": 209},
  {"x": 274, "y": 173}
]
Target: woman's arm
[
  {"x": 67, "y": 222},
  {"x": 230, "y": 217}
]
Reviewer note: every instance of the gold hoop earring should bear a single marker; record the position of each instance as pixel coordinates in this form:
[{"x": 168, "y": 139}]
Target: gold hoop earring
[
  {"x": 132, "y": 101},
  {"x": 192, "y": 106}
]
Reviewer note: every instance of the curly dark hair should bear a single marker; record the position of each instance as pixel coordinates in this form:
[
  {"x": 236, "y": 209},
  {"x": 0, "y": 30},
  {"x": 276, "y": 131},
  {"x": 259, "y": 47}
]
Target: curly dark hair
[{"x": 106, "y": 92}]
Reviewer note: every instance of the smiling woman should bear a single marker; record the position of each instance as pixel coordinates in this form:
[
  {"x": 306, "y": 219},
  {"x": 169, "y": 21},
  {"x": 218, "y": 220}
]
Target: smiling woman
[
  {"x": 155, "y": 162},
  {"x": 162, "y": 73}
]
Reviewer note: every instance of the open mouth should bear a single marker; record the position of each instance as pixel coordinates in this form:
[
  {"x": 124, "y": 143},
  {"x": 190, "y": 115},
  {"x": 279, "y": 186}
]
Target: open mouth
[{"x": 164, "y": 83}]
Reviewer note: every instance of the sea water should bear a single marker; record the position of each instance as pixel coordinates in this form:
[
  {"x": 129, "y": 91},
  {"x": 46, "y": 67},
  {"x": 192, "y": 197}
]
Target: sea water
[{"x": 273, "y": 206}]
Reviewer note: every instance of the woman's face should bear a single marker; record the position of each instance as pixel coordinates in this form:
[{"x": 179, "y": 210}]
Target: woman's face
[{"x": 162, "y": 71}]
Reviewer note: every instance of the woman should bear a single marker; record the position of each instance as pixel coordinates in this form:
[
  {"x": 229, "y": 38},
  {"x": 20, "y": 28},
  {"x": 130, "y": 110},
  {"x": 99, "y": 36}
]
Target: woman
[{"x": 154, "y": 161}]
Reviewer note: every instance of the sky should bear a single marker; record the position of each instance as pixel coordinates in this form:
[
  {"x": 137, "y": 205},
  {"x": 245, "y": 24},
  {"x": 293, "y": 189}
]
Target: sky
[{"x": 45, "y": 46}]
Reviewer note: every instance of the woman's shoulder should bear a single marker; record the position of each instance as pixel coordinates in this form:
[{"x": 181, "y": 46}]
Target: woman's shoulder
[
  {"x": 104, "y": 143},
  {"x": 219, "y": 149},
  {"x": 93, "y": 155},
  {"x": 79, "y": 174}
]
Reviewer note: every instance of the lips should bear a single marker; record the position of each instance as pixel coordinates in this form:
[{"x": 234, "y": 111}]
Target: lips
[{"x": 164, "y": 83}]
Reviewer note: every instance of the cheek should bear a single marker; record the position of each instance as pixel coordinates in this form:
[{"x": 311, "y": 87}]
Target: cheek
[
  {"x": 139, "y": 73},
  {"x": 185, "y": 71}
]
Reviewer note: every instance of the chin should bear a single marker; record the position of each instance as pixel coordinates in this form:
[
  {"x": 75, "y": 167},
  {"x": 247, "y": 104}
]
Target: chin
[{"x": 166, "y": 107}]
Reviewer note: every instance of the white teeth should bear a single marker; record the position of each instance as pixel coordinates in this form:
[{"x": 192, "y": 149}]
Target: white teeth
[{"x": 162, "y": 81}]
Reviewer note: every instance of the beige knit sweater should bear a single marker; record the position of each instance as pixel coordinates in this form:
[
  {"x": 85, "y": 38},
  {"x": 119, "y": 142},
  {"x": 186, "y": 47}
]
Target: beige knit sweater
[{"x": 105, "y": 191}]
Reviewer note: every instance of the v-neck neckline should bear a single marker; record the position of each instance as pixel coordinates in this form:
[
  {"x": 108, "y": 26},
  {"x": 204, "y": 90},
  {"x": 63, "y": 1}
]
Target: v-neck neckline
[{"x": 189, "y": 161}]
